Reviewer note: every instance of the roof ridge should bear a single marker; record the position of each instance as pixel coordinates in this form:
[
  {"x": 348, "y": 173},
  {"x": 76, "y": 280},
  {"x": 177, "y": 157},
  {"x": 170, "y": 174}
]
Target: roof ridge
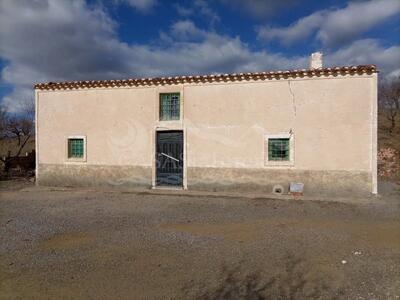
[{"x": 149, "y": 81}]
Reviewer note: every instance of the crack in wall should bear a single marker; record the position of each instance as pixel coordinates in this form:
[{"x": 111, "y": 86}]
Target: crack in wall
[{"x": 293, "y": 98}]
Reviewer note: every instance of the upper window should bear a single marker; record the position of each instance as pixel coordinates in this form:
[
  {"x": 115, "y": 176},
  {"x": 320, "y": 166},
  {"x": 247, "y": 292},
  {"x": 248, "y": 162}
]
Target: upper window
[
  {"x": 169, "y": 106},
  {"x": 76, "y": 148},
  {"x": 278, "y": 149}
]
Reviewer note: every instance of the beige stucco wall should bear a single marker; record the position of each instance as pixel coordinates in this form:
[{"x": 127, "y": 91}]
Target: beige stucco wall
[
  {"x": 329, "y": 118},
  {"x": 117, "y": 124},
  {"x": 333, "y": 122}
]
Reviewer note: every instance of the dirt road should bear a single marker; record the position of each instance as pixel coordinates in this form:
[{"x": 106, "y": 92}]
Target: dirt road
[{"x": 82, "y": 244}]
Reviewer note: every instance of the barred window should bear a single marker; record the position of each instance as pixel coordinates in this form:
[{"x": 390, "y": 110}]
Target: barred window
[
  {"x": 169, "y": 106},
  {"x": 75, "y": 148},
  {"x": 278, "y": 149}
]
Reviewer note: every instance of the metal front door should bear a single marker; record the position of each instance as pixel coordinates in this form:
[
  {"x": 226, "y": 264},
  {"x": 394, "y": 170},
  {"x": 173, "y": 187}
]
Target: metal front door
[{"x": 169, "y": 158}]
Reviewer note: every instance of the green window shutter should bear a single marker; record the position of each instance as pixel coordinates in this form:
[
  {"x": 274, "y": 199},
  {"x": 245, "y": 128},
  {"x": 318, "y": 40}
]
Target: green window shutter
[
  {"x": 169, "y": 106},
  {"x": 278, "y": 149},
  {"x": 75, "y": 148}
]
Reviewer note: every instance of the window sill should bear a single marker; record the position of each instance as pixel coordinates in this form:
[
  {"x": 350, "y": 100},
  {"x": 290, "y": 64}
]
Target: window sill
[
  {"x": 279, "y": 164},
  {"x": 172, "y": 120},
  {"x": 75, "y": 161}
]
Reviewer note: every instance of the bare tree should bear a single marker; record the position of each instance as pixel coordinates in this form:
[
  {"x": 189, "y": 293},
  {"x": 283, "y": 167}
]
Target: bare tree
[
  {"x": 3, "y": 122},
  {"x": 389, "y": 101},
  {"x": 19, "y": 127}
]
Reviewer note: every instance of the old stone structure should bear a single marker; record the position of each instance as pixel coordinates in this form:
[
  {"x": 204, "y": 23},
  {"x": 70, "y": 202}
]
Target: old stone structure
[{"x": 247, "y": 131}]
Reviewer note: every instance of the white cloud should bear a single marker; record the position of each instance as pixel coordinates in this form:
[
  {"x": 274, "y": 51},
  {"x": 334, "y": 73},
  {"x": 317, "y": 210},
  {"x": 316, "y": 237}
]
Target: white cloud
[
  {"x": 190, "y": 50},
  {"x": 393, "y": 75},
  {"x": 204, "y": 9},
  {"x": 184, "y": 11},
  {"x": 367, "y": 51},
  {"x": 185, "y": 30},
  {"x": 344, "y": 25},
  {"x": 201, "y": 8},
  {"x": 143, "y": 6},
  {"x": 55, "y": 40},
  {"x": 335, "y": 27},
  {"x": 18, "y": 100},
  {"x": 300, "y": 30}
]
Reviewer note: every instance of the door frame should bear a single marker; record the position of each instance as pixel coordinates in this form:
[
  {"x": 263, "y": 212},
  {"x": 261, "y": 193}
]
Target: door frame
[{"x": 154, "y": 167}]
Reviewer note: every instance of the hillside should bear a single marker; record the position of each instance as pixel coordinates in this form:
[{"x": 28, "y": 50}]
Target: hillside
[
  {"x": 389, "y": 149},
  {"x": 11, "y": 145}
]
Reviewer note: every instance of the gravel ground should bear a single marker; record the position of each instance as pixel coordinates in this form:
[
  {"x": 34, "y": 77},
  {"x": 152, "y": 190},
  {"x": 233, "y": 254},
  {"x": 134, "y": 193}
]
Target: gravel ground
[{"x": 85, "y": 244}]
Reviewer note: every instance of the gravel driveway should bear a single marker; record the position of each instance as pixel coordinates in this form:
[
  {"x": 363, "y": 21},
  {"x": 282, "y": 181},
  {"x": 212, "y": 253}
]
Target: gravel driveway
[{"x": 85, "y": 244}]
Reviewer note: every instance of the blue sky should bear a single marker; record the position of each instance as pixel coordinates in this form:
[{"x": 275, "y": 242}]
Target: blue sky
[{"x": 55, "y": 40}]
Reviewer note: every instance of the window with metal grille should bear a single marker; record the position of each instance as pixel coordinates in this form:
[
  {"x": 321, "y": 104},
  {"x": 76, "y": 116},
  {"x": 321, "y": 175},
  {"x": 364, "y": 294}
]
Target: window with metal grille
[
  {"x": 75, "y": 148},
  {"x": 278, "y": 149},
  {"x": 169, "y": 106}
]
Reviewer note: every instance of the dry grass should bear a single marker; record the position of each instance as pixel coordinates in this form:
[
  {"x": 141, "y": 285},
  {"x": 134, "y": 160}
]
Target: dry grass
[
  {"x": 12, "y": 145},
  {"x": 385, "y": 138},
  {"x": 389, "y": 140}
]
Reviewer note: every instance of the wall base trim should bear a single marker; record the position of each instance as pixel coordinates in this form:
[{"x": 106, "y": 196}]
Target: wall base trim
[
  {"x": 316, "y": 182},
  {"x": 93, "y": 175}
]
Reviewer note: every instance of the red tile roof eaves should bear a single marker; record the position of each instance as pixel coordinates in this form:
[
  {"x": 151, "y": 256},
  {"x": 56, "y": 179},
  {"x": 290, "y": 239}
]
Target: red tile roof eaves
[{"x": 335, "y": 71}]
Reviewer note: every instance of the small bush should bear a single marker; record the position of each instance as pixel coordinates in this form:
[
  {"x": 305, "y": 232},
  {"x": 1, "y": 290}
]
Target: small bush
[{"x": 388, "y": 163}]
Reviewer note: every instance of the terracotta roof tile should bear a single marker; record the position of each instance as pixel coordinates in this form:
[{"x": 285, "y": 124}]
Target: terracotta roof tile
[{"x": 335, "y": 71}]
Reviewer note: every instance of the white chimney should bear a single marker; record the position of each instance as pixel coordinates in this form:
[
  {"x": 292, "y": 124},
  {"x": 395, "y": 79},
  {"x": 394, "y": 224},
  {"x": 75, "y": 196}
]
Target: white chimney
[{"x": 316, "y": 60}]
